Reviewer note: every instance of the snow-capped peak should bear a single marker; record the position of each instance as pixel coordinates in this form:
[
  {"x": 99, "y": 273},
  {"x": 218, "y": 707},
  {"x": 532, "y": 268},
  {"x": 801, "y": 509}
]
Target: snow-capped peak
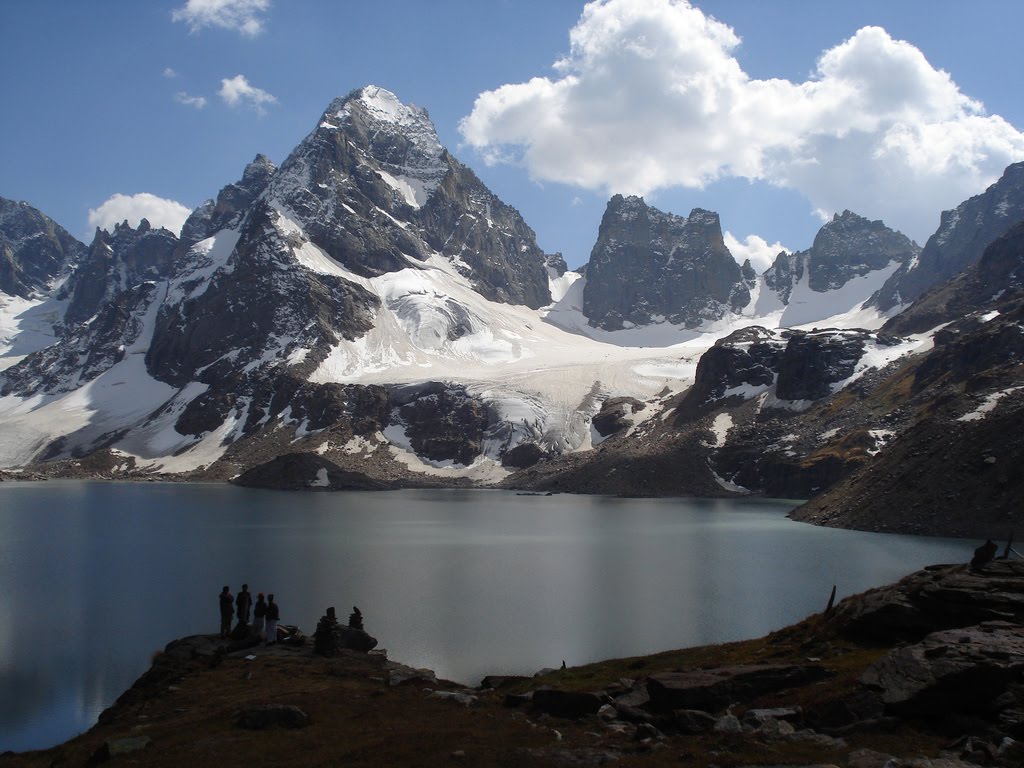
[{"x": 401, "y": 137}]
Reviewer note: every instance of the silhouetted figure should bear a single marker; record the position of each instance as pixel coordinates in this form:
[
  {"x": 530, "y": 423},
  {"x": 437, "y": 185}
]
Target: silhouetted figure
[
  {"x": 273, "y": 616},
  {"x": 244, "y": 603},
  {"x": 326, "y": 639},
  {"x": 259, "y": 613},
  {"x": 355, "y": 619},
  {"x": 983, "y": 555},
  {"x": 227, "y": 603}
]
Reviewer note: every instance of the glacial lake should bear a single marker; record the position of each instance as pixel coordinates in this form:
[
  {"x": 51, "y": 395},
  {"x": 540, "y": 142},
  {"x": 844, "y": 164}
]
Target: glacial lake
[{"x": 95, "y": 577}]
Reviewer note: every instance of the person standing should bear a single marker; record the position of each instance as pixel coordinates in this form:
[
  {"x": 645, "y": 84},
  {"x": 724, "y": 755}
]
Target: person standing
[
  {"x": 226, "y": 605},
  {"x": 244, "y": 604},
  {"x": 273, "y": 616},
  {"x": 259, "y": 613}
]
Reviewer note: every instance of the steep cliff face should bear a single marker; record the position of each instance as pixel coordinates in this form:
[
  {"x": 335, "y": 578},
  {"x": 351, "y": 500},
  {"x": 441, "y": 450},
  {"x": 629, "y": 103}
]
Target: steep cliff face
[
  {"x": 961, "y": 238},
  {"x": 34, "y": 250},
  {"x": 117, "y": 262},
  {"x": 649, "y": 266}
]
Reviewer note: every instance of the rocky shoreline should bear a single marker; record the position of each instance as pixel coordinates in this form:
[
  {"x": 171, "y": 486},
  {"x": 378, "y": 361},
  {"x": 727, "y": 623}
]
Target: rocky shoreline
[{"x": 925, "y": 673}]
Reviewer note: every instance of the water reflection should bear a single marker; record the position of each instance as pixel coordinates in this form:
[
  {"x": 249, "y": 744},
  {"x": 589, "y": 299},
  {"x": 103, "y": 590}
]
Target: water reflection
[{"x": 97, "y": 576}]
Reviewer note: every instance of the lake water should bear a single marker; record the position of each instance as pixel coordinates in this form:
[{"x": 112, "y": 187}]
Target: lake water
[{"x": 95, "y": 577}]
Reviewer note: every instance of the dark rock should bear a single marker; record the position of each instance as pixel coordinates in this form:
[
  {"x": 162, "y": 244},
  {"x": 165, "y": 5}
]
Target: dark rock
[
  {"x": 522, "y": 456},
  {"x": 570, "y": 704},
  {"x": 272, "y": 715},
  {"x": 497, "y": 682},
  {"x": 648, "y": 265},
  {"x": 713, "y": 689},
  {"x": 305, "y": 471},
  {"x": 693, "y": 721},
  {"x": 647, "y": 731},
  {"x": 443, "y": 423},
  {"x": 937, "y": 598},
  {"x": 746, "y": 358},
  {"x": 952, "y": 671},
  {"x": 614, "y": 415},
  {"x": 815, "y": 360}
]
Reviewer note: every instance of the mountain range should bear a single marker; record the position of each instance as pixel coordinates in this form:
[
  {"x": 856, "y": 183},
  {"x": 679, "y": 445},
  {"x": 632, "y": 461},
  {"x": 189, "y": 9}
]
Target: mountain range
[{"x": 369, "y": 315}]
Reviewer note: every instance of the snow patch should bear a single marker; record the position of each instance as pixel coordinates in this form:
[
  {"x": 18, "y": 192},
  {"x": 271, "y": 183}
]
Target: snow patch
[
  {"x": 988, "y": 405},
  {"x": 720, "y": 429}
]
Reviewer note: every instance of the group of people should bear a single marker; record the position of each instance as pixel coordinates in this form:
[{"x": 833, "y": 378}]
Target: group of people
[{"x": 265, "y": 613}]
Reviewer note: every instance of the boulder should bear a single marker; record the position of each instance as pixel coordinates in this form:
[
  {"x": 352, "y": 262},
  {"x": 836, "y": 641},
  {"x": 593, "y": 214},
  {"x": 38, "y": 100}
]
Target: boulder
[
  {"x": 937, "y": 598},
  {"x": 713, "y": 689},
  {"x": 571, "y": 704},
  {"x": 693, "y": 721},
  {"x": 952, "y": 671}
]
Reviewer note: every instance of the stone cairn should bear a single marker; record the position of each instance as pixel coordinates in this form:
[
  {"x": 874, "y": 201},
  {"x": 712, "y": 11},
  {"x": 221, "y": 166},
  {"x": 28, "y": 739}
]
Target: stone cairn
[
  {"x": 327, "y": 638},
  {"x": 355, "y": 619}
]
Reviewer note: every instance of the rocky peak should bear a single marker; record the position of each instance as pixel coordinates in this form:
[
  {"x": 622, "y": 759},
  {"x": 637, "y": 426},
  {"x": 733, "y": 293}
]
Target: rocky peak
[
  {"x": 117, "y": 261},
  {"x": 961, "y": 238},
  {"x": 34, "y": 250},
  {"x": 400, "y": 137},
  {"x": 373, "y": 187},
  {"x": 232, "y": 202},
  {"x": 847, "y": 247},
  {"x": 649, "y": 266}
]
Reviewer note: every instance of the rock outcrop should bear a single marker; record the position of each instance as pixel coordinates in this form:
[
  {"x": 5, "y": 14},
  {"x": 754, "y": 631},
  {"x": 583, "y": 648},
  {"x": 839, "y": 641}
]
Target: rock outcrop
[{"x": 649, "y": 266}]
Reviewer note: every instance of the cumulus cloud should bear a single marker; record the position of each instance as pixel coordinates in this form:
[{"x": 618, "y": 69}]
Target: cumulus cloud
[
  {"x": 651, "y": 96},
  {"x": 761, "y": 254},
  {"x": 237, "y": 92},
  {"x": 169, "y": 73},
  {"x": 242, "y": 16},
  {"x": 160, "y": 212},
  {"x": 191, "y": 101}
]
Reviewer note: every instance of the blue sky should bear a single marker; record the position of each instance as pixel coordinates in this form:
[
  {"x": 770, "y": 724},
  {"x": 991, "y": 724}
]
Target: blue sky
[{"x": 726, "y": 105}]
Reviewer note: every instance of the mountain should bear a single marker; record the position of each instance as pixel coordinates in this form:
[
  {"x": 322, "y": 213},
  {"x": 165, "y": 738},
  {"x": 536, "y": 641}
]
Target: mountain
[
  {"x": 34, "y": 250},
  {"x": 849, "y": 258},
  {"x": 350, "y": 301},
  {"x": 962, "y": 236},
  {"x": 649, "y": 266},
  {"x": 368, "y": 315}
]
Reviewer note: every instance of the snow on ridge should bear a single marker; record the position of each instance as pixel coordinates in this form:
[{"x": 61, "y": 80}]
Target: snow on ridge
[{"x": 203, "y": 260}]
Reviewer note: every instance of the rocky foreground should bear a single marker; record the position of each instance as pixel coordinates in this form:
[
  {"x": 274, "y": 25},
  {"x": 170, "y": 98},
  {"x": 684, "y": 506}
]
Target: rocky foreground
[{"x": 926, "y": 673}]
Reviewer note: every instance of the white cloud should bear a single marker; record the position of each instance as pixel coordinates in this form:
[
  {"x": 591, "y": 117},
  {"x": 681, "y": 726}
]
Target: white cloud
[
  {"x": 169, "y": 73},
  {"x": 237, "y": 92},
  {"x": 242, "y": 16},
  {"x": 761, "y": 254},
  {"x": 160, "y": 212},
  {"x": 651, "y": 96},
  {"x": 192, "y": 101}
]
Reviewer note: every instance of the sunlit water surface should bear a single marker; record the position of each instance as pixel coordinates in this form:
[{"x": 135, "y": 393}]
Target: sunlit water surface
[{"x": 97, "y": 576}]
